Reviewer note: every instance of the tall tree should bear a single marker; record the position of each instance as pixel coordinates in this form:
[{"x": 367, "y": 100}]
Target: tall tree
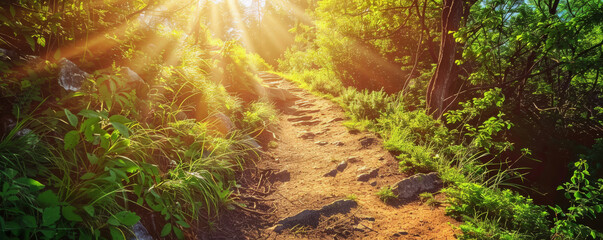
[{"x": 446, "y": 74}]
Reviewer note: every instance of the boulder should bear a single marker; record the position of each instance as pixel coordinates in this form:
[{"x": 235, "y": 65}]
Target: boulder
[
  {"x": 71, "y": 76},
  {"x": 410, "y": 188},
  {"x": 311, "y": 217}
]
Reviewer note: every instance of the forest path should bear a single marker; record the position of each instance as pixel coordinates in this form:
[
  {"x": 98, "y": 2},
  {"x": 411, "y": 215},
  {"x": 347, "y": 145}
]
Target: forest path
[{"x": 313, "y": 142}]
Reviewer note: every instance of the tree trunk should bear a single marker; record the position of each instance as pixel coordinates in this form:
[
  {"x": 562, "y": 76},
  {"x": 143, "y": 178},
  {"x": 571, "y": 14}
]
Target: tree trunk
[{"x": 446, "y": 72}]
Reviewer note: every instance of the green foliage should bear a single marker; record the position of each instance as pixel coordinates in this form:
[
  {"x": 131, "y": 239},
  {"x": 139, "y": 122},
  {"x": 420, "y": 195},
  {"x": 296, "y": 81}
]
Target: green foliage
[
  {"x": 586, "y": 201},
  {"x": 259, "y": 116},
  {"x": 366, "y": 104},
  {"x": 386, "y": 194},
  {"x": 486, "y": 135},
  {"x": 492, "y": 213}
]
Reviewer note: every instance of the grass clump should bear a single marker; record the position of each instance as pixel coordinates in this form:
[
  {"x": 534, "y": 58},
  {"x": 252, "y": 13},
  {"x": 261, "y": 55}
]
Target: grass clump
[
  {"x": 386, "y": 194},
  {"x": 493, "y": 213}
]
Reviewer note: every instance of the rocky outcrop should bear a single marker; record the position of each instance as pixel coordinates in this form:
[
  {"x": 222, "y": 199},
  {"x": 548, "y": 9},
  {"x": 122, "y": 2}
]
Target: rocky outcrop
[
  {"x": 409, "y": 188},
  {"x": 311, "y": 217}
]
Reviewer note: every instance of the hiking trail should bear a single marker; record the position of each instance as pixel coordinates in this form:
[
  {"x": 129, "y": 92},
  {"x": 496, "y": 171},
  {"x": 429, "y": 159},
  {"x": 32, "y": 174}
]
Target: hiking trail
[{"x": 315, "y": 162}]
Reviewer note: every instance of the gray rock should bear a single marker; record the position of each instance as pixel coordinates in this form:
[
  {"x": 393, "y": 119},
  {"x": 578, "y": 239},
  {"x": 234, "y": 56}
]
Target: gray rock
[
  {"x": 366, "y": 176},
  {"x": 71, "y": 77},
  {"x": 366, "y": 142},
  {"x": 342, "y": 165},
  {"x": 338, "y": 143},
  {"x": 252, "y": 143},
  {"x": 282, "y": 176},
  {"x": 321, "y": 143},
  {"x": 304, "y": 218},
  {"x": 306, "y": 135},
  {"x": 311, "y": 217},
  {"x": 140, "y": 232},
  {"x": 340, "y": 206},
  {"x": 331, "y": 173},
  {"x": 8, "y": 55},
  {"x": 409, "y": 188}
]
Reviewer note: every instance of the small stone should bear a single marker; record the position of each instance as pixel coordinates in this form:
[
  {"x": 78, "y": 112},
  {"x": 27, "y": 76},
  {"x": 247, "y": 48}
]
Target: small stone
[
  {"x": 381, "y": 158},
  {"x": 373, "y": 183},
  {"x": 306, "y": 135},
  {"x": 353, "y": 159},
  {"x": 366, "y": 176},
  {"x": 338, "y": 143},
  {"x": 331, "y": 173},
  {"x": 282, "y": 176},
  {"x": 321, "y": 143},
  {"x": 365, "y": 142},
  {"x": 342, "y": 165},
  {"x": 401, "y": 233}
]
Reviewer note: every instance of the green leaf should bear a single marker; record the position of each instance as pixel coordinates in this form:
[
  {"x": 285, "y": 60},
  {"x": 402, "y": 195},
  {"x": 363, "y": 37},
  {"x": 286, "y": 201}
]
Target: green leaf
[
  {"x": 41, "y": 41},
  {"x": 90, "y": 114},
  {"x": 183, "y": 224},
  {"x": 31, "y": 42},
  {"x": 48, "y": 199},
  {"x": 178, "y": 233},
  {"x": 12, "y": 11},
  {"x": 119, "y": 119},
  {"x": 167, "y": 228},
  {"x": 121, "y": 128},
  {"x": 92, "y": 158},
  {"x": 69, "y": 214},
  {"x": 71, "y": 117},
  {"x": 31, "y": 183},
  {"x": 72, "y": 138},
  {"x": 117, "y": 234},
  {"x": 89, "y": 209},
  {"x": 127, "y": 218},
  {"x": 30, "y": 221},
  {"x": 50, "y": 215},
  {"x": 87, "y": 176}
]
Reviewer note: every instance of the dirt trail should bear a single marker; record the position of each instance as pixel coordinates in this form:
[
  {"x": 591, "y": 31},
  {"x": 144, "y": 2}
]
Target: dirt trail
[{"x": 312, "y": 142}]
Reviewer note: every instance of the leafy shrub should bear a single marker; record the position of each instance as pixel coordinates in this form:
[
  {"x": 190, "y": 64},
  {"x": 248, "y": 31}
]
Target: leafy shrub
[
  {"x": 365, "y": 104},
  {"x": 586, "y": 201},
  {"x": 504, "y": 212}
]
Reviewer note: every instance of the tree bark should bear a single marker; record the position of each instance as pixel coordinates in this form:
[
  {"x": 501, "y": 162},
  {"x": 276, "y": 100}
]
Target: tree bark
[{"x": 446, "y": 74}]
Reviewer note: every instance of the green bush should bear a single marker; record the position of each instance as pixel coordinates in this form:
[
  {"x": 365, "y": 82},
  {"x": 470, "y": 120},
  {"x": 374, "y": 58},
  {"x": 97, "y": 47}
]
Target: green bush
[
  {"x": 503, "y": 211},
  {"x": 586, "y": 201},
  {"x": 366, "y": 104}
]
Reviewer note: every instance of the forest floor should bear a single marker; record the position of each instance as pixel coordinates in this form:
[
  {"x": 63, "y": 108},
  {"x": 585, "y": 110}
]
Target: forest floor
[{"x": 289, "y": 177}]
